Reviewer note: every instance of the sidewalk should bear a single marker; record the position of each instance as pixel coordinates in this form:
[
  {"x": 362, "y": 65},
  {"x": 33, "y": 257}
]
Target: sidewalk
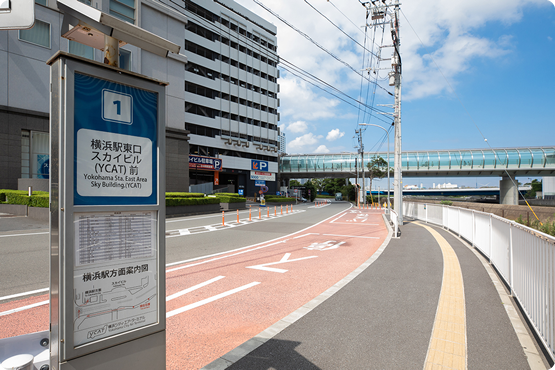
[{"x": 384, "y": 318}]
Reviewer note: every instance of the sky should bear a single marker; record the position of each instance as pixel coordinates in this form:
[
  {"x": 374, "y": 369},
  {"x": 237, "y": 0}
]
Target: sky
[{"x": 472, "y": 70}]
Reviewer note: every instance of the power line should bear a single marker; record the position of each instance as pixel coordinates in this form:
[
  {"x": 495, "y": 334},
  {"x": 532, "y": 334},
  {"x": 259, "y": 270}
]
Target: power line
[
  {"x": 339, "y": 28},
  {"x": 314, "y": 42}
]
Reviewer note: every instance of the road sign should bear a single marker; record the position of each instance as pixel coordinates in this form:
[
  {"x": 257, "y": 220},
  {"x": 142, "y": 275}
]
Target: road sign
[
  {"x": 107, "y": 214},
  {"x": 259, "y": 183},
  {"x": 259, "y": 165},
  {"x": 264, "y": 189}
]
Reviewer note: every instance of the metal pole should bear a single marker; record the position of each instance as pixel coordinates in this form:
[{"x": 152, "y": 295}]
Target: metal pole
[{"x": 398, "y": 177}]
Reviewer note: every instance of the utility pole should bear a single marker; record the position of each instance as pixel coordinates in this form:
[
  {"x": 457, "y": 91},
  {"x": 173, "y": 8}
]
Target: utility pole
[
  {"x": 380, "y": 13},
  {"x": 396, "y": 75},
  {"x": 361, "y": 152}
]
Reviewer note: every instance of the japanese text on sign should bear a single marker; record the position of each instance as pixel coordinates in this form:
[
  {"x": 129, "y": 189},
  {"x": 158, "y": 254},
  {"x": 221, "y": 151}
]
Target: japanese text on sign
[{"x": 111, "y": 164}]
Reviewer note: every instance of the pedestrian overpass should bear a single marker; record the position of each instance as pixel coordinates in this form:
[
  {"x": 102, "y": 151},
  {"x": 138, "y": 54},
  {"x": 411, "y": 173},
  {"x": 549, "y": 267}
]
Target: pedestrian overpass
[
  {"x": 525, "y": 162},
  {"x": 533, "y": 161}
]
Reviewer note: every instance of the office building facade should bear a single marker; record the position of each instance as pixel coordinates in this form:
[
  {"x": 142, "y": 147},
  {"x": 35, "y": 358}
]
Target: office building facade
[{"x": 221, "y": 100}]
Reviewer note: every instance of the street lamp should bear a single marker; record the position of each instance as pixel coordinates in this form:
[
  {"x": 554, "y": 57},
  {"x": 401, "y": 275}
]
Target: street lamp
[{"x": 387, "y": 132}]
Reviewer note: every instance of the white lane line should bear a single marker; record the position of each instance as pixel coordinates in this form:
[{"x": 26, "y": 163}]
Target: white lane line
[
  {"x": 228, "y": 256},
  {"x": 23, "y": 294},
  {"x": 7, "y": 236},
  {"x": 284, "y": 259},
  {"x": 23, "y": 308},
  {"x": 302, "y": 236},
  {"x": 357, "y": 224},
  {"x": 353, "y": 236},
  {"x": 211, "y": 299},
  {"x": 193, "y": 288},
  {"x": 231, "y": 251},
  {"x": 228, "y": 225}
]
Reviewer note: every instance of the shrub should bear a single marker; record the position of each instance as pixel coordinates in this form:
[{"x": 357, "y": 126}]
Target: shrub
[
  {"x": 40, "y": 200},
  {"x": 18, "y": 198},
  {"x": 446, "y": 202},
  {"x": 184, "y": 195},
  {"x": 170, "y": 202},
  {"x": 231, "y": 199},
  {"x": 227, "y": 195},
  {"x": 4, "y": 193}
]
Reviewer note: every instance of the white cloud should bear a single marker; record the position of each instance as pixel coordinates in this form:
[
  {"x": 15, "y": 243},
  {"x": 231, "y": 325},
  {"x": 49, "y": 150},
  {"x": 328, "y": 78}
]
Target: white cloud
[
  {"x": 322, "y": 149},
  {"x": 303, "y": 143},
  {"x": 334, "y": 135},
  {"x": 297, "y": 127}
]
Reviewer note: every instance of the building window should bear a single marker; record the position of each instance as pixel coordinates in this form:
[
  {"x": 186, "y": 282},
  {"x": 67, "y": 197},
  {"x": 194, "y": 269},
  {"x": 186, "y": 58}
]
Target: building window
[
  {"x": 125, "y": 59},
  {"x": 38, "y": 35},
  {"x": 123, "y": 9},
  {"x": 41, "y": 2},
  {"x": 35, "y": 159},
  {"x": 81, "y": 50}
]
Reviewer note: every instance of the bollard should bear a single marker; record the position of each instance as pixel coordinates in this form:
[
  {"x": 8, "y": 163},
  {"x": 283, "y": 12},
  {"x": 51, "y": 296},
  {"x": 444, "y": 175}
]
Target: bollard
[
  {"x": 268, "y": 213},
  {"x": 237, "y": 216},
  {"x": 286, "y": 208},
  {"x": 223, "y": 218},
  {"x": 250, "y": 209},
  {"x": 259, "y": 213},
  {"x": 282, "y": 209},
  {"x": 30, "y": 190},
  {"x": 291, "y": 208},
  {"x": 275, "y": 210}
]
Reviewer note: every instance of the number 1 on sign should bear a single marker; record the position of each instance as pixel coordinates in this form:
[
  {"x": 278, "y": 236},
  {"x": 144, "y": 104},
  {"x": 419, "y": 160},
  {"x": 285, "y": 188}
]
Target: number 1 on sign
[{"x": 118, "y": 105}]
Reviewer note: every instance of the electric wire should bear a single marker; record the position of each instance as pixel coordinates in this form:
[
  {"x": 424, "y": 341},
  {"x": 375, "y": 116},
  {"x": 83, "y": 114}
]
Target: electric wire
[
  {"x": 471, "y": 118},
  {"x": 339, "y": 28},
  {"x": 313, "y": 41}
]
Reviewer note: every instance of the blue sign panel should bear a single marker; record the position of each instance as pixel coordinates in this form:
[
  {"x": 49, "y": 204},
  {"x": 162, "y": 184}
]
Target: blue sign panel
[
  {"x": 259, "y": 165},
  {"x": 115, "y": 128},
  {"x": 241, "y": 191},
  {"x": 259, "y": 183}
]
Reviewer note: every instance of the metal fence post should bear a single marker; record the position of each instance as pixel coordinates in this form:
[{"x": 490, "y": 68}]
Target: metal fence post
[{"x": 511, "y": 272}]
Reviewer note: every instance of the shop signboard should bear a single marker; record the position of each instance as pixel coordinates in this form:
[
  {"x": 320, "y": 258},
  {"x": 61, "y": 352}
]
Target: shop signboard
[
  {"x": 199, "y": 162},
  {"x": 259, "y": 175}
]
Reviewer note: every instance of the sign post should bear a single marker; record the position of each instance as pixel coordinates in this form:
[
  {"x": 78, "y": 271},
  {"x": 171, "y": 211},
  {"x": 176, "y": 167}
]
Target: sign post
[{"x": 107, "y": 184}]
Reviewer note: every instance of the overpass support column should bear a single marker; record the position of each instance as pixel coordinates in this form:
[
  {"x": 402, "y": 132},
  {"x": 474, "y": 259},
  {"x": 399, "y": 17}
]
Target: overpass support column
[{"x": 508, "y": 191}]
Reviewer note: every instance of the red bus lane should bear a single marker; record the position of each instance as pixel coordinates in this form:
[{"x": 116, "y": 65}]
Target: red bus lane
[
  {"x": 217, "y": 303},
  {"x": 214, "y": 305}
]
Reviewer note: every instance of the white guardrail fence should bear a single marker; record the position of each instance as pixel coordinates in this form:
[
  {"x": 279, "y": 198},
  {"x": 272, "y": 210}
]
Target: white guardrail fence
[{"x": 524, "y": 257}]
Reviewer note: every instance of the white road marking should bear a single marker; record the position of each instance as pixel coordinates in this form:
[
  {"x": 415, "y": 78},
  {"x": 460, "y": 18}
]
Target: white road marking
[
  {"x": 353, "y": 236},
  {"x": 211, "y": 299},
  {"x": 284, "y": 259},
  {"x": 23, "y": 294},
  {"x": 23, "y": 308},
  {"x": 193, "y": 288},
  {"x": 302, "y": 236},
  {"x": 207, "y": 256},
  {"x": 220, "y": 258},
  {"x": 6, "y": 236},
  {"x": 325, "y": 246}
]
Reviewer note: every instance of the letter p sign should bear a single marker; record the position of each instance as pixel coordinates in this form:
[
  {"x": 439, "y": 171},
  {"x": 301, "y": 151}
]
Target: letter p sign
[{"x": 259, "y": 165}]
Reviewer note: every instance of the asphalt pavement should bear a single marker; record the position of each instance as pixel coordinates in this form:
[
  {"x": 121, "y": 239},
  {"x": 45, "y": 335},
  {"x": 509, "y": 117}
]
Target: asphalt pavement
[{"x": 383, "y": 319}]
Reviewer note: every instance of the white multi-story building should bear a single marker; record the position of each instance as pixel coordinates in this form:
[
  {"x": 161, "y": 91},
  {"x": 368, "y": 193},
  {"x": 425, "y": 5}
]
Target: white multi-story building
[
  {"x": 223, "y": 88},
  {"x": 282, "y": 142}
]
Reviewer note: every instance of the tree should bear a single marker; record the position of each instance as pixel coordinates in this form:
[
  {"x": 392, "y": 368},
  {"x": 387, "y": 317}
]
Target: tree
[
  {"x": 294, "y": 183},
  {"x": 377, "y": 169},
  {"x": 536, "y": 186},
  {"x": 309, "y": 185},
  {"x": 332, "y": 186},
  {"x": 319, "y": 184}
]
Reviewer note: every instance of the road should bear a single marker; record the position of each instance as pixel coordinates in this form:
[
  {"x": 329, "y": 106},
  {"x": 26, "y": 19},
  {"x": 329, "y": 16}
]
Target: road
[{"x": 224, "y": 284}]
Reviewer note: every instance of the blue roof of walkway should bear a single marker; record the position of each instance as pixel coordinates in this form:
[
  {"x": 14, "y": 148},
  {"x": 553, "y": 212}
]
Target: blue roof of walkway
[{"x": 532, "y": 161}]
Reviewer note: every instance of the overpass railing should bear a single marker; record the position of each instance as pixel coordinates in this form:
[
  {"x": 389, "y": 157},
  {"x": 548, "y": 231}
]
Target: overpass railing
[
  {"x": 524, "y": 257},
  {"x": 440, "y": 160}
]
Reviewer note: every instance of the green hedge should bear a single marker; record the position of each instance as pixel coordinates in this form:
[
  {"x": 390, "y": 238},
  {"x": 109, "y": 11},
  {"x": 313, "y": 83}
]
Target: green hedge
[
  {"x": 277, "y": 198},
  {"x": 231, "y": 199},
  {"x": 5, "y": 192},
  {"x": 170, "y": 202},
  {"x": 184, "y": 195},
  {"x": 38, "y": 199},
  {"x": 228, "y": 195}
]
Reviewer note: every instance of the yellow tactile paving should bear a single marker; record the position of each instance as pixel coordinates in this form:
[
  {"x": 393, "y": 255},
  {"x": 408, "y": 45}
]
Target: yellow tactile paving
[{"x": 447, "y": 348}]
